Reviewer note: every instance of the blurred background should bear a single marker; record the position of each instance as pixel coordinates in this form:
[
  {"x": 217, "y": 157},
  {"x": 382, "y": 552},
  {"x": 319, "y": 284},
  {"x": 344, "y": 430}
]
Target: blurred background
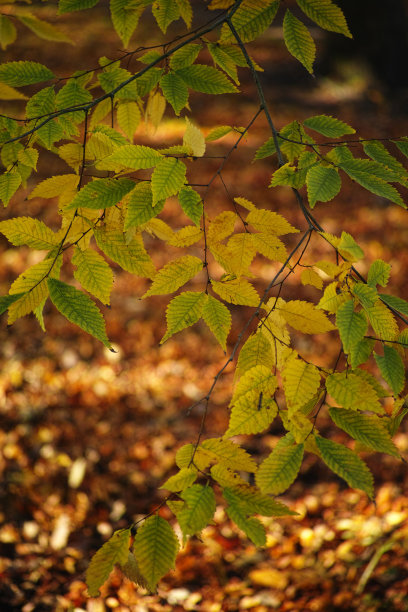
[{"x": 87, "y": 436}]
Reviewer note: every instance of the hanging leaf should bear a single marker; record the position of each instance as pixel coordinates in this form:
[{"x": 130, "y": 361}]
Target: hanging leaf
[
  {"x": 140, "y": 206},
  {"x": 128, "y": 115},
  {"x": 9, "y": 183},
  {"x": 218, "y": 318},
  {"x": 168, "y": 178},
  {"x": 42, "y": 28},
  {"x": 180, "y": 481},
  {"x": 352, "y": 325},
  {"x": 250, "y": 20},
  {"x": 198, "y": 509},
  {"x": 305, "y": 317},
  {"x": 328, "y": 126},
  {"x": 155, "y": 549},
  {"x": 115, "y": 550},
  {"x": 131, "y": 256},
  {"x": 229, "y": 454},
  {"x": 301, "y": 381},
  {"x": 351, "y": 391},
  {"x": 165, "y": 12},
  {"x": 236, "y": 291},
  {"x": 277, "y": 472},
  {"x": 251, "y": 414},
  {"x": 22, "y": 73},
  {"x": 205, "y": 79},
  {"x": 94, "y": 274},
  {"x": 323, "y": 184},
  {"x": 136, "y": 157},
  {"x": 125, "y": 17},
  {"x": 174, "y": 90},
  {"x": 346, "y": 464},
  {"x": 174, "y": 274},
  {"x": 392, "y": 368},
  {"x": 102, "y": 193},
  {"x": 364, "y": 171},
  {"x": 326, "y": 14},
  {"x": 299, "y": 41},
  {"x": 8, "y": 32},
  {"x": 191, "y": 204},
  {"x": 183, "y": 311},
  {"x": 270, "y": 222},
  {"x": 194, "y": 139}
]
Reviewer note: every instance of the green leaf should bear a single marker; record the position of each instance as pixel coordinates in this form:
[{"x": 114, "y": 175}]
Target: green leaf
[
  {"x": 301, "y": 381},
  {"x": 392, "y": 368},
  {"x": 218, "y": 318},
  {"x": 360, "y": 352},
  {"x": 253, "y": 501},
  {"x": 125, "y": 17},
  {"x": 191, "y": 203},
  {"x": 168, "y": 178},
  {"x": 183, "y": 310},
  {"x": 367, "y": 296},
  {"x": 26, "y": 230},
  {"x": 299, "y": 41},
  {"x": 8, "y": 32},
  {"x": 352, "y": 325},
  {"x": 277, "y": 472},
  {"x": 267, "y": 149},
  {"x": 78, "y": 308},
  {"x": 68, "y": 6},
  {"x": 140, "y": 208},
  {"x": 94, "y": 274},
  {"x": 43, "y": 29},
  {"x": 349, "y": 248},
  {"x": 198, "y": 509},
  {"x": 326, "y": 14},
  {"x": 363, "y": 171},
  {"x": 351, "y": 391},
  {"x": 252, "y": 527},
  {"x": 328, "y": 126},
  {"x": 131, "y": 256},
  {"x": 180, "y": 481},
  {"x": 128, "y": 115},
  {"x": 185, "y": 56},
  {"x": 22, "y": 73},
  {"x": 155, "y": 548},
  {"x": 206, "y": 79},
  {"x": 250, "y": 20},
  {"x": 382, "y": 321},
  {"x": 395, "y": 302},
  {"x": 165, "y": 12},
  {"x": 377, "y": 151},
  {"x": 174, "y": 274},
  {"x": 9, "y": 183},
  {"x": 346, "y": 464},
  {"x": 115, "y": 550},
  {"x": 132, "y": 571},
  {"x": 101, "y": 193},
  {"x": 135, "y": 157},
  {"x": 7, "y": 300},
  {"x": 323, "y": 184},
  {"x": 174, "y": 90},
  {"x": 368, "y": 429},
  {"x": 379, "y": 273}
]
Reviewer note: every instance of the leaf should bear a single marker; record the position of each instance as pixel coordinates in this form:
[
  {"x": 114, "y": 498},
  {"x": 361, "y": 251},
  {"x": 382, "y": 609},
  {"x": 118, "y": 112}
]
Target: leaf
[
  {"x": 17, "y": 74},
  {"x": 299, "y": 41},
  {"x": 174, "y": 274},
  {"x": 288, "y": 175},
  {"x": 323, "y": 184},
  {"x": 165, "y": 12},
  {"x": 351, "y": 391},
  {"x": 256, "y": 351},
  {"x": 346, "y": 464},
  {"x": 186, "y": 236},
  {"x": 183, "y": 310},
  {"x": 94, "y": 274},
  {"x": 9, "y": 93},
  {"x": 128, "y": 115},
  {"x": 168, "y": 178},
  {"x": 132, "y": 571},
  {"x": 367, "y": 296},
  {"x": 180, "y": 481},
  {"x": 101, "y": 193},
  {"x": 184, "y": 56},
  {"x": 377, "y": 151},
  {"x": 305, "y": 317},
  {"x": 250, "y": 20},
  {"x": 236, "y": 291},
  {"x": 9, "y": 183},
  {"x": 155, "y": 549},
  {"x": 326, "y": 14},
  {"x": 206, "y": 79},
  {"x": 382, "y": 321},
  {"x": 252, "y": 527},
  {"x": 363, "y": 171},
  {"x": 26, "y": 230},
  {"x": 8, "y": 300},
  {"x": 131, "y": 256},
  {"x": 379, "y": 273},
  {"x": 348, "y": 248},
  {"x": 241, "y": 249},
  {"x": 229, "y": 454},
  {"x": 43, "y": 29},
  {"x": 78, "y": 308},
  {"x": 332, "y": 300},
  {"x": 392, "y": 368},
  {"x": 198, "y": 509},
  {"x": 361, "y": 351},
  {"x": 125, "y": 17},
  {"x": 140, "y": 206},
  {"x": 270, "y": 222},
  {"x": 252, "y": 501},
  {"x": 8, "y": 32},
  {"x": 352, "y": 325},
  {"x": 218, "y": 318},
  {"x": 136, "y": 157},
  {"x": 115, "y": 550},
  {"x": 251, "y": 414},
  {"x": 368, "y": 429},
  {"x": 300, "y": 382},
  {"x": 393, "y": 301},
  {"x": 67, "y": 6},
  {"x": 174, "y": 90},
  {"x": 55, "y": 186},
  {"x": 190, "y": 202},
  {"x": 221, "y": 226},
  {"x": 194, "y": 139},
  {"x": 277, "y": 472},
  {"x": 310, "y": 277},
  {"x": 218, "y": 132},
  {"x": 328, "y": 126}
]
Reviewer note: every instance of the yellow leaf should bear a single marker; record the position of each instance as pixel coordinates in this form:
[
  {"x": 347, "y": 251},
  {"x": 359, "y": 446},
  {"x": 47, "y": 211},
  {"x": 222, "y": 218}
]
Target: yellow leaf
[
  {"x": 155, "y": 108},
  {"x": 174, "y": 274},
  {"x": 242, "y": 251},
  {"x": 236, "y": 291},
  {"x": 186, "y": 236},
  {"x": 269, "y": 222},
  {"x": 55, "y": 186},
  {"x": 305, "y": 317},
  {"x": 245, "y": 203},
  {"x": 300, "y": 382},
  {"x": 310, "y": 277},
  {"x": 221, "y": 226},
  {"x": 194, "y": 139},
  {"x": 331, "y": 300},
  {"x": 9, "y": 93}
]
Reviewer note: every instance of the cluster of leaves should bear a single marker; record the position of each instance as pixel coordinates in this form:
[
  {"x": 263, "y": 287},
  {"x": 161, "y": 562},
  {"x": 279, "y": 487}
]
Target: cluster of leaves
[{"x": 111, "y": 200}]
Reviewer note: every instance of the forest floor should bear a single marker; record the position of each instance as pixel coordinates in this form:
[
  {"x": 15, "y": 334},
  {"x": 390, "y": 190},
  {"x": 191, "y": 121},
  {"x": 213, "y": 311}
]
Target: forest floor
[{"x": 88, "y": 436}]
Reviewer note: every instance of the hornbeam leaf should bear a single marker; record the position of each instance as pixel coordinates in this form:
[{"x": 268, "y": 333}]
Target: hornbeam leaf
[
  {"x": 259, "y": 379},
  {"x": 326, "y": 14},
  {"x": 26, "y": 230},
  {"x": 368, "y": 429},
  {"x": 185, "y": 56},
  {"x": 206, "y": 79},
  {"x": 132, "y": 571},
  {"x": 229, "y": 454},
  {"x": 9, "y": 183},
  {"x": 136, "y": 157},
  {"x": 305, "y": 317},
  {"x": 352, "y": 325},
  {"x": 78, "y": 308},
  {"x": 236, "y": 291},
  {"x": 270, "y": 222},
  {"x": 392, "y": 368},
  {"x": 101, "y": 193},
  {"x": 391, "y": 300},
  {"x": 174, "y": 274},
  {"x": 43, "y": 29},
  {"x": 94, "y": 273},
  {"x": 125, "y": 17},
  {"x": 194, "y": 139},
  {"x": 180, "y": 481},
  {"x": 191, "y": 203},
  {"x": 377, "y": 151},
  {"x": 351, "y": 391},
  {"x": 367, "y": 296},
  {"x": 8, "y": 33},
  {"x": 379, "y": 273},
  {"x": 251, "y": 414},
  {"x": 256, "y": 351},
  {"x": 348, "y": 248},
  {"x": 165, "y": 12},
  {"x": 115, "y": 550},
  {"x": 301, "y": 381},
  {"x": 365, "y": 172},
  {"x": 168, "y": 178},
  {"x": 251, "y": 526},
  {"x": 7, "y": 300},
  {"x": 299, "y": 41},
  {"x": 67, "y": 6},
  {"x": 360, "y": 352},
  {"x": 198, "y": 510},
  {"x": 382, "y": 321},
  {"x": 128, "y": 115},
  {"x": 250, "y": 20},
  {"x": 218, "y": 318},
  {"x": 140, "y": 206},
  {"x": 328, "y": 126},
  {"x": 255, "y": 502},
  {"x": 155, "y": 549},
  {"x": 277, "y": 472},
  {"x": 183, "y": 310},
  {"x": 323, "y": 184},
  {"x": 346, "y": 464},
  {"x": 17, "y": 74},
  {"x": 174, "y": 90}
]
